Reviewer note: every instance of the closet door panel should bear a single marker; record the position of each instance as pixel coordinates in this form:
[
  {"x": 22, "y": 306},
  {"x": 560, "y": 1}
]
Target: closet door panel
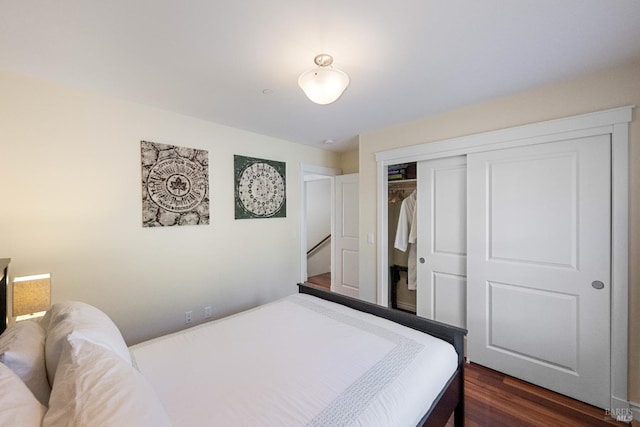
[
  {"x": 522, "y": 196},
  {"x": 450, "y": 294},
  {"x": 538, "y": 297},
  {"x": 449, "y": 202},
  {"x": 441, "y": 240}
]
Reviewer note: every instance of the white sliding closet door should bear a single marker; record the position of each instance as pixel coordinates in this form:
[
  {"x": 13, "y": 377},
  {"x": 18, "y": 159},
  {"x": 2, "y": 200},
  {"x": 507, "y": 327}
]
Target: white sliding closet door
[
  {"x": 442, "y": 240},
  {"x": 539, "y": 250}
]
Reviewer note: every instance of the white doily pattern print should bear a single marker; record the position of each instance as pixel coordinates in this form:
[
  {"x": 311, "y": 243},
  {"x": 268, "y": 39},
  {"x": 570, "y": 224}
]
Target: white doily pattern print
[{"x": 260, "y": 190}]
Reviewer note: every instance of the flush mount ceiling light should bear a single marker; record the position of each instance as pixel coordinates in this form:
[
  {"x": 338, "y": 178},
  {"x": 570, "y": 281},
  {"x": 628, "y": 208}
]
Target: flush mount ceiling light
[{"x": 325, "y": 84}]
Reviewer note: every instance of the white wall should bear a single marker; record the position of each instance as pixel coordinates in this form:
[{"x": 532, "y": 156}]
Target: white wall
[
  {"x": 318, "y": 225},
  {"x": 71, "y": 178}
]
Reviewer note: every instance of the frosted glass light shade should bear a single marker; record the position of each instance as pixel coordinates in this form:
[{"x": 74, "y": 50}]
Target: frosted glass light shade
[{"x": 323, "y": 85}]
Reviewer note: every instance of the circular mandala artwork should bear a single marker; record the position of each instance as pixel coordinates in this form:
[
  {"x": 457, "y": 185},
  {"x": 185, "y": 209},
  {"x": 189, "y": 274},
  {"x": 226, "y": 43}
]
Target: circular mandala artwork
[
  {"x": 177, "y": 184},
  {"x": 261, "y": 189}
]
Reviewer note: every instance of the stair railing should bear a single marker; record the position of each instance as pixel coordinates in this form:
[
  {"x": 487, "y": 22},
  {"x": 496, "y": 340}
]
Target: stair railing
[{"x": 319, "y": 244}]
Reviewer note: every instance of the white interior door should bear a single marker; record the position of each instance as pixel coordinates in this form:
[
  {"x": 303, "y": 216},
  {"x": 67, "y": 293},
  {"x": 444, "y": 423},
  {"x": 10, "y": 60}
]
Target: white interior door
[
  {"x": 345, "y": 274},
  {"x": 539, "y": 264},
  {"x": 442, "y": 240}
]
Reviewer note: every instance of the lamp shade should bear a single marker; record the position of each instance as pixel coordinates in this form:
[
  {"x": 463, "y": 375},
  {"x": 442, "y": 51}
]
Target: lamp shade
[
  {"x": 324, "y": 84},
  {"x": 31, "y": 294}
]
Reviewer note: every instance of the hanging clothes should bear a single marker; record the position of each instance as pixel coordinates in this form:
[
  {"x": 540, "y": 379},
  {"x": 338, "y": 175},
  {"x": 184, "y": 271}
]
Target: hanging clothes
[
  {"x": 396, "y": 257},
  {"x": 406, "y": 237}
]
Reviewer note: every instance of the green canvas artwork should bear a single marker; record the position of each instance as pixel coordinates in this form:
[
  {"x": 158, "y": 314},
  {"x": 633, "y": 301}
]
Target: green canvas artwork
[{"x": 260, "y": 188}]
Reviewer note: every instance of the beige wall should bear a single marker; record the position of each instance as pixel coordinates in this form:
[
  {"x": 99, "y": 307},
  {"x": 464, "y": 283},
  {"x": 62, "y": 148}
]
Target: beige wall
[
  {"x": 71, "y": 177},
  {"x": 349, "y": 162},
  {"x": 603, "y": 90}
]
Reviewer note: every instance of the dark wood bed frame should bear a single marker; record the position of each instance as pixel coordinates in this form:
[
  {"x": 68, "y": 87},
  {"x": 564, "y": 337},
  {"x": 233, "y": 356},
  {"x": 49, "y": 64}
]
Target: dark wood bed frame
[
  {"x": 451, "y": 398},
  {"x": 4, "y": 280}
]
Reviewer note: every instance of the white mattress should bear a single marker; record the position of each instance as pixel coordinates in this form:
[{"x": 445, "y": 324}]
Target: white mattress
[{"x": 297, "y": 361}]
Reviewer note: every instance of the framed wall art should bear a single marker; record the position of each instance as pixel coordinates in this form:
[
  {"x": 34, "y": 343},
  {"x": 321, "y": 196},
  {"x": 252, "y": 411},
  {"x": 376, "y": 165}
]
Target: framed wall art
[
  {"x": 260, "y": 188},
  {"x": 175, "y": 185}
]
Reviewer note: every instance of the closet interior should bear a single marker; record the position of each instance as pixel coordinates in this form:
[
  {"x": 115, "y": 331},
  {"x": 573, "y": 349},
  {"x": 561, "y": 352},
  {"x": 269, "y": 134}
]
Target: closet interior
[{"x": 401, "y": 215}]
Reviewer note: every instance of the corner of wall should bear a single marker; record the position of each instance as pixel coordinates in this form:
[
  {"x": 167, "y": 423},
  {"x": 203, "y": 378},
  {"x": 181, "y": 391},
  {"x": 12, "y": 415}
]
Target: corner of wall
[{"x": 350, "y": 161}]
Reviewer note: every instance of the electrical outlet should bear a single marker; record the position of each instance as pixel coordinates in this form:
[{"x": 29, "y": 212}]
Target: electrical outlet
[
  {"x": 208, "y": 313},
  {"x": 188, "y": 317}
]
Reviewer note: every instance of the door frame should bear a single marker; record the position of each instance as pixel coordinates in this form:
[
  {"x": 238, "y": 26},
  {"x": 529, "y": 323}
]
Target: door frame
[
  {"x": 614, "y": 122},
  {"x": 305, "y": 171}
]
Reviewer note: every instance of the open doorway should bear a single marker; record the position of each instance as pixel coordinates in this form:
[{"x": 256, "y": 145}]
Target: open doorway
[
  {"x": 316, "y": 261},
  {"x": 318, "y": 223}
]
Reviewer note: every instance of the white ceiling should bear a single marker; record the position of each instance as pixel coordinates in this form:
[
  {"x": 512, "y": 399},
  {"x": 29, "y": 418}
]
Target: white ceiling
[{"x": 212, "y": 59}]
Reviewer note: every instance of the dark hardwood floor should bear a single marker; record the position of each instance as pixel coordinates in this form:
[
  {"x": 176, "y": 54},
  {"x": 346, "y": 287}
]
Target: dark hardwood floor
[
  {"x": 322, "y": 281},
  {"x": 495, "y": 399}
]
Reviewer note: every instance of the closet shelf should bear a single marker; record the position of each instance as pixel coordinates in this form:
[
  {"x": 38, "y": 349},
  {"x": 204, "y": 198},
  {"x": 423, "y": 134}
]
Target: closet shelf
[{"x": 402, "y": 182}]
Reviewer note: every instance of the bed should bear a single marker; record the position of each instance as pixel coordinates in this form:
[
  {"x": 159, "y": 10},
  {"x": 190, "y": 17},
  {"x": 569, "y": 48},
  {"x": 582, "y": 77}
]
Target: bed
[{"x": 312, "y": 358}]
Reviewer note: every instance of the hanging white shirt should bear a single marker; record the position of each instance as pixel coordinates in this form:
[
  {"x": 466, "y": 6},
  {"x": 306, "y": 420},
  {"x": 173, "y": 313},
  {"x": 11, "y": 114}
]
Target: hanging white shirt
[
  {"x": 406, "y": 237},
  {"x": 406, "y": 219}
]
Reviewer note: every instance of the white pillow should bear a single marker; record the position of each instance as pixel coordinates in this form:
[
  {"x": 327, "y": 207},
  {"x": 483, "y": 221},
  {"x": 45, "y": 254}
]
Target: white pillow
[
  {"x": 22, "y": 350},
  {"x": 94, "y": 387},
  {"x": 18, "y": 406},
  {"x": 93, "y": 324}
]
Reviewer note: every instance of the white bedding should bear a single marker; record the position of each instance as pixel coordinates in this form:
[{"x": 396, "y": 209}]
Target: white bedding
[{"x": 298, "y": 361}]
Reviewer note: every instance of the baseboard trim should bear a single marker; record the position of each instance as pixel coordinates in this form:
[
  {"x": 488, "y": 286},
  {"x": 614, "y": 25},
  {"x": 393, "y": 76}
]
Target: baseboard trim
[
  {"x": 635, "y": 410},
  {"x": 623, "y": 411},
  {"x": 406, "y": 307}
]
